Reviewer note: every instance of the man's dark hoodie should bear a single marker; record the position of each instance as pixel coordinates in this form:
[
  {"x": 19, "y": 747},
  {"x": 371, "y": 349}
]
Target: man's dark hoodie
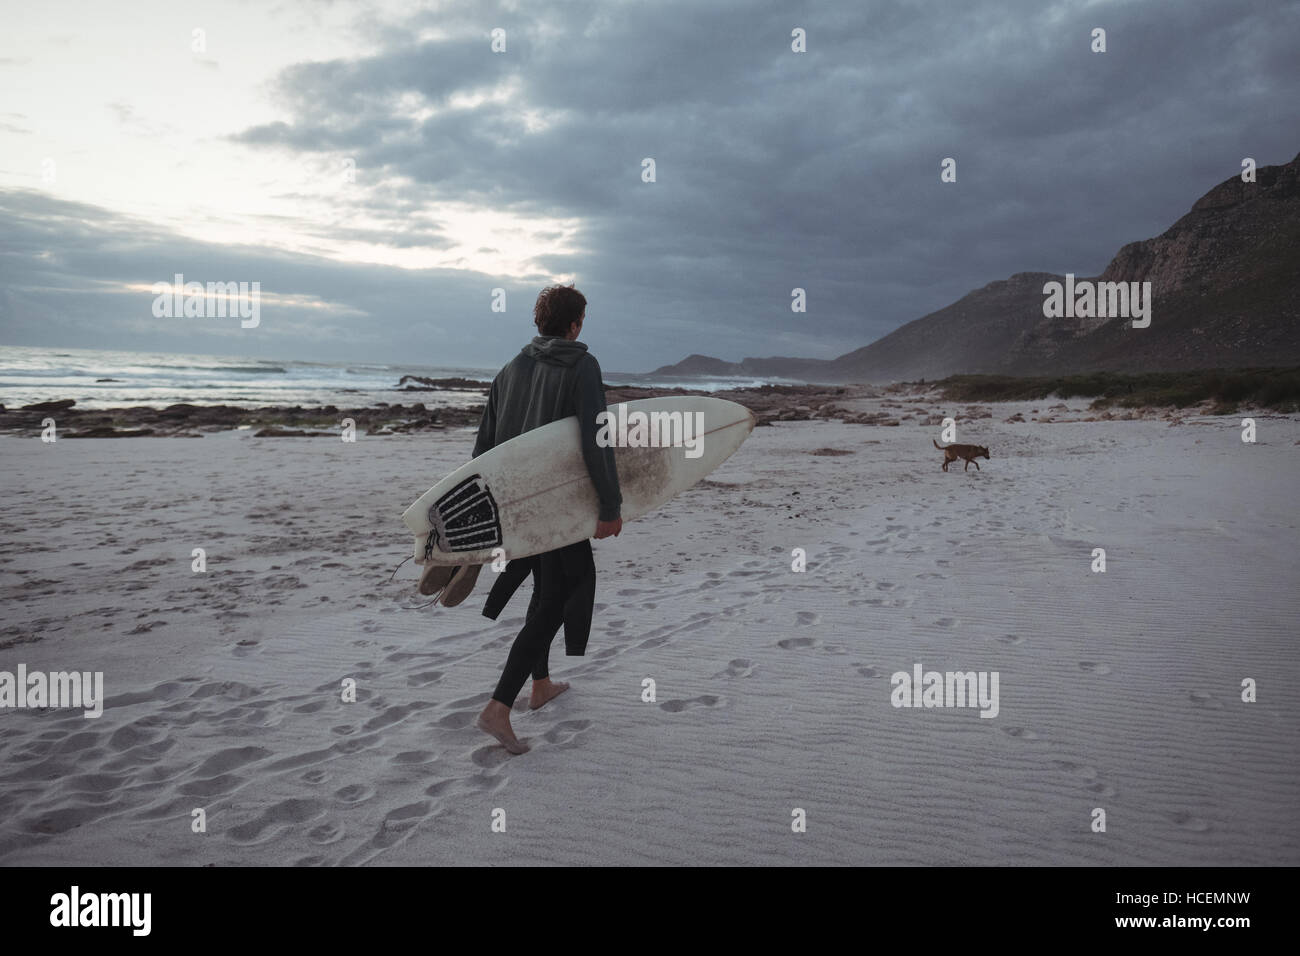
[{"x": 553, "y": 378}]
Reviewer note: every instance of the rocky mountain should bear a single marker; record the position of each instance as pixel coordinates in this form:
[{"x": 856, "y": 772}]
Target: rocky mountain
[{"x": 1225, "y": 291}]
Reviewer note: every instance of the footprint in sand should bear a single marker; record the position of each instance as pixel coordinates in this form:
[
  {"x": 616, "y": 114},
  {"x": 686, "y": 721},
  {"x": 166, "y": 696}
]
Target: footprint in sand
[
  {"x": 213, "y": 786},
  {"x": 807, "y": 617},
  {"x": 424, "y": 679},
  {"x": 886, "y": 602},
  {"x": 394, "y": 715},
  {"x": 355, "y": 793},
  {"x": 398, "y": 824},
  {"x": 567, "y": 733},
  {"x": 1087, "y": 775},
  {"x": 439, "y": 788},
  {"x": 357, "y": 744},
  {"x": 231, "y": 758},
  {"x": 124, "y": 738},
  {"x": 494, "y": 755},
  {"x": 326, "y": 833},
  {"x": 1188, "y": 821},
  {"x": 1206, "y": 700},
  {"x": 69, "y": 818},
  {"x": 698, "y": 622},
  {"x": 795, "y": 643},
  {"x": 946, "y": 622},
  {"x": 409, "y": 758},
  {"x": 677, "y": 706},
  {"x": 401, "y": 657},
  {"x": 865, "y": 670},
  {"x": 458, "y": 720},
  {"x": 1092, "y": 667},
  {"x": 274, "y": 819},
  {"x": 483, "y": 783},
  {"x": 737, "y": 668},
  {"x": 1020, "y": 733},
  {"x": 1011, "y": 639},
  {"x": 403, "y": 817},
  {"x": 478, "y": 701}
]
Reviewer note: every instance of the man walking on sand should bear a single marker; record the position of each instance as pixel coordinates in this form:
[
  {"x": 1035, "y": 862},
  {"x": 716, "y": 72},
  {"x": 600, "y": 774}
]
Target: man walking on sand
[{"x": 553, "y": 377}]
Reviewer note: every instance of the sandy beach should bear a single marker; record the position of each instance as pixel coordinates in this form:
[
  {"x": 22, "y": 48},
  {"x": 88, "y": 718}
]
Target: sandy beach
[{"x": 1119, "y": 690}]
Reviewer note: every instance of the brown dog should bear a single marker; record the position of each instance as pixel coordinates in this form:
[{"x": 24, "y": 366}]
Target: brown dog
[{"x": 969, "y": 452}]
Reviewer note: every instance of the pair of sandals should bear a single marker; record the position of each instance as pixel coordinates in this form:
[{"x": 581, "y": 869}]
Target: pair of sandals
[{"x": 450, "y": 584}]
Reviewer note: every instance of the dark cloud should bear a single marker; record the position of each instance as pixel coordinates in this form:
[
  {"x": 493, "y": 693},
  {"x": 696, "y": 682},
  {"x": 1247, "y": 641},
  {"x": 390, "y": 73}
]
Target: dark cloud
[{"x": 775, "y": 169}]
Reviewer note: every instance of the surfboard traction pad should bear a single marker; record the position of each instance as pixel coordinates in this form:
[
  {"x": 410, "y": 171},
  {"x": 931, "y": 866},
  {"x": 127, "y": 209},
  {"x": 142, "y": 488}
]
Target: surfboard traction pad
[{"x": 464, "y": 519}]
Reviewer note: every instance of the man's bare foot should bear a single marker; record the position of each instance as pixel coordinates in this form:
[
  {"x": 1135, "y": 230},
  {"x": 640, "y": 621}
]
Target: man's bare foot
[
  {"x": 495, "y": 720},
  {"x": 545, "y": 690}
]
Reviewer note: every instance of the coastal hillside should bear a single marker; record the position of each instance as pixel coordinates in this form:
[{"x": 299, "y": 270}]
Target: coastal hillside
[{"x": 1225, "y": 288}]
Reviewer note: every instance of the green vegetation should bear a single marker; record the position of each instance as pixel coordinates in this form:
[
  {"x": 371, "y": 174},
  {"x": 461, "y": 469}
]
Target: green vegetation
[{"x": 1277, "y": 389}]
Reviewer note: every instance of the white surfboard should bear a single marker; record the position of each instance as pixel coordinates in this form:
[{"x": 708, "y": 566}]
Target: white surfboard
[{"x": 533, "y": 494}]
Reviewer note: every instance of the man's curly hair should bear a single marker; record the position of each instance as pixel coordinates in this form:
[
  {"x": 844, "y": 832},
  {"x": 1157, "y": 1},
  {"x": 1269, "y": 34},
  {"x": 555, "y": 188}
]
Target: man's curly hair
[{"x": 558, "y": 307}]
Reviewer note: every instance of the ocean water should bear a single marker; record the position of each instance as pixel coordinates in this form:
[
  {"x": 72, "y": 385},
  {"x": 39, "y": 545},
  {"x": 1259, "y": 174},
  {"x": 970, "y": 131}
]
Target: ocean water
[
  {"x": 104, "y": 379},
  {"x": 101, "y": 379}
]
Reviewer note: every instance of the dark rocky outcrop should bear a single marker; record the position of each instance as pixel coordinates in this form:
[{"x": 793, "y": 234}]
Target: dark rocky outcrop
[
  {"x": 418, "y": 383},
  {"x": 107, "y": 431},
  {"x": 189, "y": 421}
]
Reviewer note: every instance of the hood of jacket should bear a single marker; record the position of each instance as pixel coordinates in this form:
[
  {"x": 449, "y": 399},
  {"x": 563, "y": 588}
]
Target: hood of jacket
[{"x": 555, "y": 350}]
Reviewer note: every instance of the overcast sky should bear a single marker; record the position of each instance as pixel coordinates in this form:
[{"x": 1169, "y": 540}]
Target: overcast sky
[{"x": 132, "y": 148}]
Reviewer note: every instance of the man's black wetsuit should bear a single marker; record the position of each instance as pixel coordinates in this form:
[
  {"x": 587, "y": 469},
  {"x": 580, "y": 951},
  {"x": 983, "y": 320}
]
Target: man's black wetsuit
[{"x": 551, "y": 378}]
